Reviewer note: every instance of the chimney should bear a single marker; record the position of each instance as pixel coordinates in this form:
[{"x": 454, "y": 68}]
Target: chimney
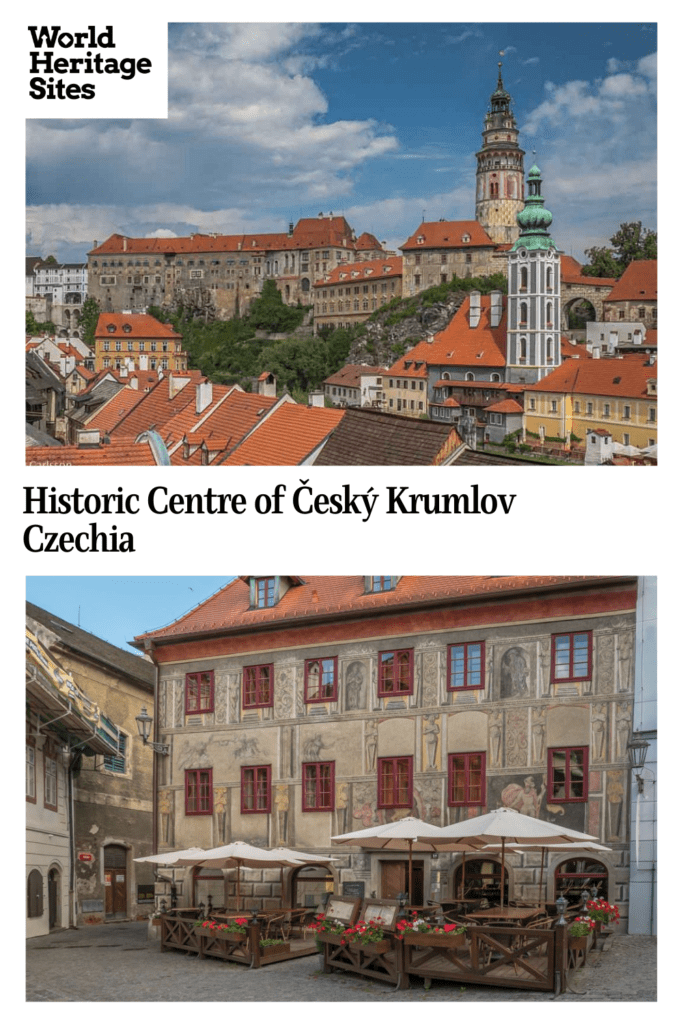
[
  {"x": 317, "y": 399},
  {"x": 175, "y": 384},
  {"x": 87, "y": 438},
  {"x": 496, "y": 308},
  {"x": 595, "y": 352},
  {"x": 267, "y": 384},
  {"x": 204, "y": 396},
  {"x": 475, "y": 309},
  {"x": 125, "y": 244}
]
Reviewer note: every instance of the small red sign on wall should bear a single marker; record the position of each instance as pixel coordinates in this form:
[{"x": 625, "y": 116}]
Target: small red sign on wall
[{"x": 85, "y": 856}]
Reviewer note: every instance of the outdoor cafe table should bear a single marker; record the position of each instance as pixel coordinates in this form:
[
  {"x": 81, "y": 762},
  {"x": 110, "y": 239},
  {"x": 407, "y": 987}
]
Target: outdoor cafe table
[{"x": 505, "y": 915}]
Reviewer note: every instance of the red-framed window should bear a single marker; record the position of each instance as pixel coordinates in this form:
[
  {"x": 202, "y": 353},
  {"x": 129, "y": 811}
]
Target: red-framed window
[
  {"x": 318, "y": 786},
  {"x": 572, "y": 657},
  {"x": 568, "y": 775},
  {"x": 466, "y": 666},
  {"x": 395, "y": 672},
  {"x": 255, "y": 789},
  {"x": 199, "y": 693},
  {"x": 199, "y": 791},
  {"x": 467, "y": 780},
  {"x": 257, "y": 686},
  {"x": 31, "y": 781},
  {"x": 394, "y": 782},
  {"x": 320, "y": 680},
  {"x": 49, "y": 781},
  {"x": 264, "y": 591}
]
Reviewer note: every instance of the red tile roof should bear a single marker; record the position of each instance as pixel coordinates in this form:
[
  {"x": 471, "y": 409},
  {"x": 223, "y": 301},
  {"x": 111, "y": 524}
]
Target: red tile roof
[
  {"x": 363, "y": 271},
  {"x": 159, "y": 405},
  {"x": 620, "y": 378},
  {"x": 323, "y": 596},
  {"x": 639, "y": 281},
  {"x": 141, "y": 325},
  {"x": 408, "y": 366},
  {"x": 367, "y": 241},
  {"x": 508, "y": 405},
  {"x": 228, "y": 419},
  {"x": 448, "y": 234},
  {"x": 570, "y": 273},
  {"x": 117, "y": 453},
  {"x": 106, "y": 418},
  {"x": 349, "y": 375},
  {"x": 461, "y": 345},
  {"x": 286, "y": 437}
]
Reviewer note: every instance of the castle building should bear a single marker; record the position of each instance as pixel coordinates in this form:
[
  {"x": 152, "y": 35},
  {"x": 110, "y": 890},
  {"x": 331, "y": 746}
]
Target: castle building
[
  {"x": 534, "y": 314},
  {"x": 500, "y": 170},
  {"x": 296, "y": 709}
]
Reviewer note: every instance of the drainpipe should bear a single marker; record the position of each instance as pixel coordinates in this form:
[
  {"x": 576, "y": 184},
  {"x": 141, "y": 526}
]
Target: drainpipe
[
  {"x": 155, "y": 760},
  {"x": 72, "y": 844}
]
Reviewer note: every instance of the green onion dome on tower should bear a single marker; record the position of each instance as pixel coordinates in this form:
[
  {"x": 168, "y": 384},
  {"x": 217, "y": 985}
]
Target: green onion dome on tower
[{"x": 534, "y": 220}]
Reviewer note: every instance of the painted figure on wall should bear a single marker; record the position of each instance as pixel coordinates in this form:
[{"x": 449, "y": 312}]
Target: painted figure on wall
[
  {"x": 355, "y": 686},
  {"x": 623, "y": 729},
  {"x": 166, "y": 805},
  {"x": 514, "y": 672},
  {"x": 220, "y": 811},
  {"x": 496, "y": 738},
  {"x": 599, "y": 725},
  {"x": 525, "y": 799},
  {"x": 430, "y": 731},
  {"x": 538, "y": 735},
  {"x": 282, "y": 813},
  {"x": 313, "y": 746},
  {"x": 342, "y": 806},
  {"x": 615, "y": 804},
  {"x": 370, "y": 746}
]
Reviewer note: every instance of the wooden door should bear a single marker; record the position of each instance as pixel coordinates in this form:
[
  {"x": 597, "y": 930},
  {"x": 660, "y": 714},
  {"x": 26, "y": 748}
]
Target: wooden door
[
  {"x": 52, "y": 889},
  {"x": 395, "y": 880},
  {"x": 115, "y": 877}
]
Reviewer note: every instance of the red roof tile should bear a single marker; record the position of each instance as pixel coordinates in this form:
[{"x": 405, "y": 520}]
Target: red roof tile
[
  {"x": 448, "y": 234},
  {"x": 570, "y": 273},
  {"x": 639, "y": 281},
  {"x": 349, "y": 375},
  {"x": 117, "y": 453},
  {"x": 286, "y": 437},
  {"x": 106, "y": 418},
  {"x": 159, "y": 405},
  {"x": 508, "y": 405},
  {"x": 322, "y": 596},
  {"x": 461, "y": 345},
  {"x": 229, "y": 418},
  {"x": 621, "y": 378},
  {"x": 141, "y": 325},
  {"x": 364, "y": 270}
]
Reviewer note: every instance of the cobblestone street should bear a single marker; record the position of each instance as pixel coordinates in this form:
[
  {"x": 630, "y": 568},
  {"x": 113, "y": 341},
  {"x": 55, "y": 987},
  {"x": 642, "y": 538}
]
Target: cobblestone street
[{"x": 110, "y": 963}]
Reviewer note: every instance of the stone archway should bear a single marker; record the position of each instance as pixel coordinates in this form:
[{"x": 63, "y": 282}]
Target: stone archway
[{"x": 577, "y": 312}]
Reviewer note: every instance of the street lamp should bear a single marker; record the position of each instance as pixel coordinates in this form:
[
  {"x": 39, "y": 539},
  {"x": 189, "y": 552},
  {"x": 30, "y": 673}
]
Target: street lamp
[
  {"x": 637, "y": 754},
  {"x": 144, "y": 728}
]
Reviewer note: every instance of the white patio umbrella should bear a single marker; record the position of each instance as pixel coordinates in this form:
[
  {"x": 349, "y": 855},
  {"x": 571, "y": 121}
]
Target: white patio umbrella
[
  {"x": 239, "y": 855},
  {"x": 407, "y": 833},
  {"x": 169, "y": 859},
  {"x": 510, "y": 826}
]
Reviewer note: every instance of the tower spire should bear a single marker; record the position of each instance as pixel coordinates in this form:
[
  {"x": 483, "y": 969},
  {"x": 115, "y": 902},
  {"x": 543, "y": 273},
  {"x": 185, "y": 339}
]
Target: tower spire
[{"x": 500, "y": 168}]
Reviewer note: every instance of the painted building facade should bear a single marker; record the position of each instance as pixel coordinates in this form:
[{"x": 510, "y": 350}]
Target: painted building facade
[{"x": 297, "y": 709}]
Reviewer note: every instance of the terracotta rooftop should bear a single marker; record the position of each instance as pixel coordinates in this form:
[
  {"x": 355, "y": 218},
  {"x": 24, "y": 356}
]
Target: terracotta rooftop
[
  {"x": 322, "y": 596},
  {"x": 286, "y": 437},
  {"x": 367, "y": 241},
  {"x": 619, "y": 378},
  {"x": 349, "y": 375},
  {"x": 160, "y": 404},
  {"x": 366, "y": 437},
  {"x": 133, "y": 325},
  {"x": 508, "y": 405},
  {"x": 106, "y": 418},
  {"x": 116, "y": 453},
  {"x": 461, "y": 345},
  {"x": 570, "y": 273},
  {"x": 448, "y": 234},
  {"x": 227, "y": 420},
  {"x": 363, "y": 271},
  {"x": 639, "y": 281}
]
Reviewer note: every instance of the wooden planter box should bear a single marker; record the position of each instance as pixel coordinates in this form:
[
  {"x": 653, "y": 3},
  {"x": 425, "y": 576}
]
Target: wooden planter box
[
  {"x": 383, "y": 946},
  {"x": 216, "y": 934},
  {"x": 429, "y": 939},
  {"x": 268, "y": 951},
  {"x": 579, "y": 942},
  {"x": 332, "y": 939}
]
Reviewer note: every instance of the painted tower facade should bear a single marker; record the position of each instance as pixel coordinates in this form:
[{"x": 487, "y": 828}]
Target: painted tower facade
[
  {"x": 533, "y": 337},
  {"x": 500, "y": 170}
]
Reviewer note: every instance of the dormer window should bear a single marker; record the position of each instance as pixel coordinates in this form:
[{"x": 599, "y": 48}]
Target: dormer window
[
  {"x": 467, "y": 238},
  {"x": 111, "y": 328},
  {"x": 264, "y": 592},
  {"x": 377, "y": 584},
  {"x": 127, "y": 328},
  {"x": 420, "y": 239}
]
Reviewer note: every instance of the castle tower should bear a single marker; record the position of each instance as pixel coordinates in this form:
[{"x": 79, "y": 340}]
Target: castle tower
[
  {"x": 533, "y": 335},
  {"x": 500, "y": 169}
]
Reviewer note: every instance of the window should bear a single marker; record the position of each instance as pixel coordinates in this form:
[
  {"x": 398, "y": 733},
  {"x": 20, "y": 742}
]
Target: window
[
  {"x": 265, "y": 592},
  {"x": 30, "y": 771},
  {"x": 466, "y": 780},
  {"x": 395, "y": 782},
  {"x": 568, "y": 774},
  {"x": 255, "y": 787},
  {"x": 395, "y": 672},
  {"x": 379, "y": 583},
  {"x": 117, "y": 763},
  {"x": 257, "y": 686},
  {"x": 320, "y": 679},
  {"x": 466, "y": 666},
  {"x": 627, "y": 412},
  {"x": 571, "y": 657},
  {"x": 198, "y": 791},
  {"x": 318, "y": 786},
  {"x": 50, "y": 792},
  {"x": 198, "y": 693}
]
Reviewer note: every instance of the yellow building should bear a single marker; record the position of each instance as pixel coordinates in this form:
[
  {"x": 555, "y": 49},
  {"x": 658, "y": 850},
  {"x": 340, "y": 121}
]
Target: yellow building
[
  {"x": 618, "y": 395},
  {"x": 137, "y": 341},
  {"x": 405, "y": 388}
]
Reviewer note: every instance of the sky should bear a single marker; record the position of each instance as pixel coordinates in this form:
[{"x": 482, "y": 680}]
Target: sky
[
  {"x": 118, "y": 608},
  {"x": 377, "y": 122}
]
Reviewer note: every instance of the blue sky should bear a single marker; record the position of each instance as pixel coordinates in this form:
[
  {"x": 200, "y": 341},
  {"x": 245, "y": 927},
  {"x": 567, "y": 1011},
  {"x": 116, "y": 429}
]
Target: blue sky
[
  {"x": 379, "y": 122},
  {"x": 118, "y": 608}
]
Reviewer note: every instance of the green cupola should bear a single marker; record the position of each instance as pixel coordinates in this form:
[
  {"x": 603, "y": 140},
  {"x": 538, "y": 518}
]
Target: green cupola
[{"x": 534, "y": 220}]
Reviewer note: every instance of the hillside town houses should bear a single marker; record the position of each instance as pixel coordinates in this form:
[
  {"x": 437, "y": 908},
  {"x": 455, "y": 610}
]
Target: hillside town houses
[{"x": 508, "y": 369}]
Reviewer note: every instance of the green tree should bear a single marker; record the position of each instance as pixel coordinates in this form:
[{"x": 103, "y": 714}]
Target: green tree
[
  {"x": 88, "y": 318},
  {"x": 33, "y": 328},
  {"x": 269, "y": 313},
  {"x": 631, "y": 242}
]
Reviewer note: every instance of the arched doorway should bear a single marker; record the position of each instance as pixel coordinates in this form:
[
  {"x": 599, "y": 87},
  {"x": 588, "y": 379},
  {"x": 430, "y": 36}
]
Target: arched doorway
[
  {"x": 577, "y": 313},
  {"x": 115, "y": 882},
  {"x": 53, "y": 898},
  {"x": 309, "y": 884},
  {"x": 579, "y": 873},
  {"x": 482, "y": 880},
  {"x": 34, "y": 894}
]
